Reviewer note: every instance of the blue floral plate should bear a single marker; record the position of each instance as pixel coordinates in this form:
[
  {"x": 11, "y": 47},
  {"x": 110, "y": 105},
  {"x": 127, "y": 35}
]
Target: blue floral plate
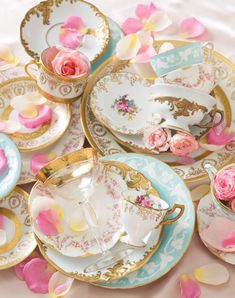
[
  {"x": 10, "y": 176},
  {"x": 176, "y": 237}
]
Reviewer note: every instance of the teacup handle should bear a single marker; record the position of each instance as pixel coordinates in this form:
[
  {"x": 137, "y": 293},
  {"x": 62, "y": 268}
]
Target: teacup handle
[
  {"x": 210, "y": 45},
  {"x": 167, "y": 221},
  {"x": 210, "y": 123},
  {"x": 27, "y": 69}
]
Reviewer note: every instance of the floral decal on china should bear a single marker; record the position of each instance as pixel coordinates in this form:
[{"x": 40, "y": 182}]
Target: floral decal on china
[{"x": 125, "y": 106}]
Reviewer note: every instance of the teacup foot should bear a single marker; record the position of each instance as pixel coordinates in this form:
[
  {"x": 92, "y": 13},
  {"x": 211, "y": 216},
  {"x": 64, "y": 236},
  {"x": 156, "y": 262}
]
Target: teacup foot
[{"x": 133, "y": 242}]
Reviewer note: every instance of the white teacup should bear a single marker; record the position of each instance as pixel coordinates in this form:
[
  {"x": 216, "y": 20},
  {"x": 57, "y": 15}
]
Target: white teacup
[
  {"x": 56, "y": 87},
  {"x": 181, "y": 107},
  {"x": 139, "y": 220}
]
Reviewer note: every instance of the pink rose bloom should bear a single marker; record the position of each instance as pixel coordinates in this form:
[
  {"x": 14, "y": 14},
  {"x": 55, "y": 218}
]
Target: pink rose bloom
[
  {"x": 71, "y": 64},
  {"x": 157, "y": 138},
  {"x": 146, "y": 203},
  {"x": 122, "y": 105},
  {"x": 224, "y": 184},
  {"x": 182, "y": 144}
]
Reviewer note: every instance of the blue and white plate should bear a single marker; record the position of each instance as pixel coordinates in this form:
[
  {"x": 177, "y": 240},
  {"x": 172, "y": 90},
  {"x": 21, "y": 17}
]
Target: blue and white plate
[
  {"x": 176, "y": 237},
  {"x": 10, "y": 176}
]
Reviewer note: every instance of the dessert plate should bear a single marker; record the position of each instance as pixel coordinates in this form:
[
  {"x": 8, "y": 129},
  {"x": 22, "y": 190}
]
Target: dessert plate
[
  {"x": 110, "y": 181},
  {"x": 10, "y": 165},
  {"x": 100, "y": 138},
  {"x": 31, "y": 139},
  {"x": 176, "y": 237},
  {"x": 19, "y": 237},
  {"x": 46, "y": 18},
  {"x": 206, "y": 211}
]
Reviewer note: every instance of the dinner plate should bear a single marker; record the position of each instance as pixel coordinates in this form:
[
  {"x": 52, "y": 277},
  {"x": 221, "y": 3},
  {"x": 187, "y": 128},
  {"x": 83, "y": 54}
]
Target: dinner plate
[
  {"x": 206, "y": 211},
  {"x": 176, "y": 237},
  {"x": 11, "y": 172},
  {"x": 46, "y": 18},
  {"x": 100, "y": 138},
  {"x": 31, "y": 139},
  {"x": 20, "y": 241}
]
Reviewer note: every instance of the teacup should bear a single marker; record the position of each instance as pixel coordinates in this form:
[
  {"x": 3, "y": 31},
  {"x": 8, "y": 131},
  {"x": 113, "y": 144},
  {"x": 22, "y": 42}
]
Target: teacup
[
  {"x": 140, "y": 219},
  {"x": 222, "y": 208},
  {"x": 53, "y": 86},
  {"x": 181, "y": 107}
]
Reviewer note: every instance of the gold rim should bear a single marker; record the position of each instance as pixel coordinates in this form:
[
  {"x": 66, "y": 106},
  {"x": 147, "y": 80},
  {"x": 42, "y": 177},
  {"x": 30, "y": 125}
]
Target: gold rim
[
  {"x": 124, "y": 63},
  {"x": 25, "y": 196},
  {"x": 45, "y": 8},
  {"x": 57, "y": 99},
  {"x": 51, "y": 141}
]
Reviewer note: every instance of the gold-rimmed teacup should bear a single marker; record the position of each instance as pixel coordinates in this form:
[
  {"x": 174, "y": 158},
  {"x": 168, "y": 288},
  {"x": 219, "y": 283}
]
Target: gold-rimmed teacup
[{"x": 53, "y": 86}]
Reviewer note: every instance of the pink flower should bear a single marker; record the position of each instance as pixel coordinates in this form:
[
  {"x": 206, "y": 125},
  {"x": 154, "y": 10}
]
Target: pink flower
[
  {"x": 146, "y": 203},
  {"x": 72, "y": 64},
  {"x": 224, "y": 184},
  {"x": 157, "y": 138},
  {"x": 122, "y": 105},
  {"x": 72, "y": 31},
  {"x": 148, "y": 18},
  {"x": 182, "y": 144}
]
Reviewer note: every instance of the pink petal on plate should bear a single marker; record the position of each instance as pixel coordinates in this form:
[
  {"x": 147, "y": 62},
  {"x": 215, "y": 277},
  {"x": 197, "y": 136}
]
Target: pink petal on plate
[
  {"x": 212, "y": 274},
  {"x": 48, "y": 222},
  {"x": 3, "y": 161},
  {"x": 69, "y": 39},
  {"x": 59, "y": 285},
  {"x": 20, "y": 267},
  {"x": 188, "y": 287},
  {"x": 128, "y": 47},
  {"x": 191, "y": 28},
  {"x": 38, "y": 161},
  {"x": 217, "y": 231},
  {"x": 144, "y": 54},
  {"x": 37, "y": 274},
  {"x": 229, "y": 241},
  {"x": 44, "y": 115},
  {"x": 131, "y": 25},
  {"x": 73, "y": 22},
  {"x": 223, "y": 138},
  {"x": 158, "y": 21},
  {"x": 144, "y": 11}
]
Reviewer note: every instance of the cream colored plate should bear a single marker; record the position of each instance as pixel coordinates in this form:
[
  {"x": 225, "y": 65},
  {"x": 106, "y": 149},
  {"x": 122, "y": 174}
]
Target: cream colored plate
[
  {"x": 32, "y": 139},
  {"x": 17, "y": 225},
  {"x": 100, "y": 138}
]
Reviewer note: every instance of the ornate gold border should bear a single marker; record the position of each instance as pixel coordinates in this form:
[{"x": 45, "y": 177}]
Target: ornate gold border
[{"x": 45, "y": 8}]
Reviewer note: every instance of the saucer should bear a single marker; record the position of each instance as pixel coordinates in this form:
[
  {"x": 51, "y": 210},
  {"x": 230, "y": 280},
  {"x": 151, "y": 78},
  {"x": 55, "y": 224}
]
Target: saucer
[
  {"x": 206, "y": 211},
  {"x": 31, "y": 139},
  {"x": 20, "y": 241},
  {"x": 10, "y": 176},
  {"x": 45, "y": 19}
]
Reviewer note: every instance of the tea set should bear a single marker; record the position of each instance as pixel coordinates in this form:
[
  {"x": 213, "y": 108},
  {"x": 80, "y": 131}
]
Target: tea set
[{"x": 94, "y": 218}]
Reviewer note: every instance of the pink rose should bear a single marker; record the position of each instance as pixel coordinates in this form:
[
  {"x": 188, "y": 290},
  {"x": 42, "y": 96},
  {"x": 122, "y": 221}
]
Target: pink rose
[
  {"x": 122, "y": 105},
  {"x": 157, "y": 138},
  {"x": 224, "y": 184},
  {"x": 72, "y": 64},
  {"x": 182, "y": 144}
]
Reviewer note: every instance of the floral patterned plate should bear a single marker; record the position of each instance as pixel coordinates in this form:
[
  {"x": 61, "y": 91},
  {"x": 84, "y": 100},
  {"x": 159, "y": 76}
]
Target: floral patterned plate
[
  {"x": 10, "y": 157},
  {"x": 46, "y": 18},
  {"x": 19, "y": 237},
  {"x": 100, "y": 138},
  {"x": 206, "y": 211},
  {"x": 31, "y": 139}
]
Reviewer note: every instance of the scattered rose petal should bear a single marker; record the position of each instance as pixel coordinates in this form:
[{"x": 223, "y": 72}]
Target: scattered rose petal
[
  {"x": 128, "y": 47},
  {"x": 131, "y": 25},
  {"x": 210, "y": 147},
  {"x": 7, "y": 59},
  {"x": 188, "y": 287},
  {"x": 43, "y": 116},
  {"x": 158, "y": 21},
  {"x": 3, "y": 161},
  {"x": 38, "y": 161},
  {"x": 59, "y": 285},
  {"x": 10, "y": 127},
  {"x": 229, "y": 241},
  {"x": 217, "y": 231},
  {"x": 191, "y": 28},
  {"x": 37, "y": 274},
  {"x": 220, "y": 135},
  {"x": 212, "y": 274},
  {"x": 19, "y": 267},
  {"x": 143, "y": 11},
  {"x": 48, "y": 222}
]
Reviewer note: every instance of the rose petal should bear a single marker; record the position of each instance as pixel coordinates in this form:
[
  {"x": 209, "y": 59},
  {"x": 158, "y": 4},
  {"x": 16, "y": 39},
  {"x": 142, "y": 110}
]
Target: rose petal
[
  {"x": 128, "y": 47},
  {"x": 212, "y": 274},
  {"x": 131, "y": 25},
  {"x": 158, "y": 21},
  {"x": 37, "y": 274},
  {"x": 191, "y": 28},
  {"x": 42, "y": 203},
  {"x": 143, "y": 11},
  {"x": 11, "y": 126},
  {"x": 220, "y": 135},
  {"x": 188, "y": 287},
  {"x": 218, "y": 229},
  {"x": 145, "y": 54},
  {"x": 7, "y": 59},
  {"x": 44, "y": 115},
  {"x": 59, "y": 285},
  {"x": 229, "y": 241},
  {"x": 38, "y": 161},
  {"x": 73, "y": 22},
  {"x": 166, "y": 46},
  {"x": 23, "y": 103},
  {"x": 48, "y": 222},
  {"x": 20, "y": 267},
  {"x": 76, "y": 220},
  {"x": 69, "y": 39}
]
